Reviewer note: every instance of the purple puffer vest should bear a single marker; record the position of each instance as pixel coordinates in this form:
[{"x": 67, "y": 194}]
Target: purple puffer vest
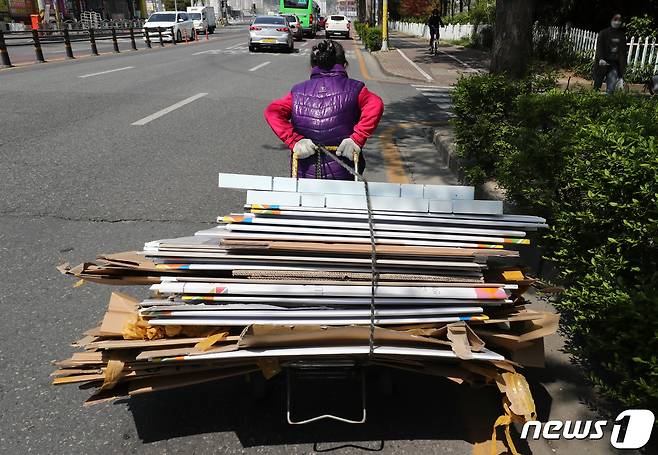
[{"x": 325, "y": 109}]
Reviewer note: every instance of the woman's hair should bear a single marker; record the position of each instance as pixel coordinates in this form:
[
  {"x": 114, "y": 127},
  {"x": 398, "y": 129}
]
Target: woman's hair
[{"x": 328, "y": 53}]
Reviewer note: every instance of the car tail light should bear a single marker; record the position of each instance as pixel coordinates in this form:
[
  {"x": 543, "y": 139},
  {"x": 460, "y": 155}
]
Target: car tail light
[
  {"x": 310, "y": 19},
  {"x": 283, "y": 29},
  {"x": 254, "y": 28}
]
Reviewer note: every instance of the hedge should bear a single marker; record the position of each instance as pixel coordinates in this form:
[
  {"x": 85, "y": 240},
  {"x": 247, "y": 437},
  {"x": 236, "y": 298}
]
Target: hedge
[
  {"x": 370, "y": 36},
  {"x": 589, "y": 164}
]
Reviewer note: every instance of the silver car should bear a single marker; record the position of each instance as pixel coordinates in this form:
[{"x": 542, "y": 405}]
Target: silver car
[
  {"x": 296, "y": 26},
  {"x": 270, "y": 32}
]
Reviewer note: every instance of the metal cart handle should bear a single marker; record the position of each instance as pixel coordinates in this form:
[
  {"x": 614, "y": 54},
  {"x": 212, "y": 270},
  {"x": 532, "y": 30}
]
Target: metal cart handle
[{"x": 326, "y": 416}]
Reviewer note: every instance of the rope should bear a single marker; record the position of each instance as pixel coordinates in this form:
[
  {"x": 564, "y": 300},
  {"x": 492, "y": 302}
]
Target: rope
[{"x": 371, "y": 228}]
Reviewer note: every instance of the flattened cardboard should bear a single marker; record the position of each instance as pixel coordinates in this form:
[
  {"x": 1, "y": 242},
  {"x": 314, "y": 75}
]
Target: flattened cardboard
[
  {"x": 300, "y": 335},
  {"x": 121, "y": 310}
]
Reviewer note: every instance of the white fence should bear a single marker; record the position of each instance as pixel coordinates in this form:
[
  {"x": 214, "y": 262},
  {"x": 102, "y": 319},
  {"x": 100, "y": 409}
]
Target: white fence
[
  {"x": 642, "y": 52},
  {"x": 450, "y": 32}
]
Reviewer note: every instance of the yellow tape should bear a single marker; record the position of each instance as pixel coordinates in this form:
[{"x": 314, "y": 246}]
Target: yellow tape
[
  {"x": 208, "y": 342},
  {"x": 504, "y": 421},
  {"x": 113, "y": 374}
]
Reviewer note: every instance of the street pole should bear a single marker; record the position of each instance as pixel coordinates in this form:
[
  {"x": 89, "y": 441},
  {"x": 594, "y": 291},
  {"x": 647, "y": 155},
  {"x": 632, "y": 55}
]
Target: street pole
[
  {"x": 175, "y": 5},
  {"x": 384, "y": 25}
]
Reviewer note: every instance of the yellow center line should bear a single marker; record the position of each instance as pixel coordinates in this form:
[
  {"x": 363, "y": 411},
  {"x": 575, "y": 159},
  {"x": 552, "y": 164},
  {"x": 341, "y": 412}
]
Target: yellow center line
[
  {"x": 362, "y": 65},
  {"x": 395, "y": 169}
]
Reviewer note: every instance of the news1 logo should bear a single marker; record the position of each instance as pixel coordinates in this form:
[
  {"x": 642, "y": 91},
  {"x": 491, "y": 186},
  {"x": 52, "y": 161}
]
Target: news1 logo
[{"x": 631, "y": 430}]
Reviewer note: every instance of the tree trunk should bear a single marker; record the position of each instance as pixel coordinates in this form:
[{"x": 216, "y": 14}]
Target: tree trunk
[
  {"x": 512, "y": 37},
  {"x": 361, "y": 10}
]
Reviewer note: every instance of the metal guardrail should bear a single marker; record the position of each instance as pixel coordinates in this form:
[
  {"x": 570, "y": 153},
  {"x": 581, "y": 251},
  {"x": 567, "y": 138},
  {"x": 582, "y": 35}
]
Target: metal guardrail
[
  {"x": 36, "y": 38},
  {"x": 77, "y": 25}
]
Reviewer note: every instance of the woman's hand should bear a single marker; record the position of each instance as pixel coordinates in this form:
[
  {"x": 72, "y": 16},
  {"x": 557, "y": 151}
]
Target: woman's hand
[
  {"x": 304, "y": 148},
  {"x": 347, "y": 148}
]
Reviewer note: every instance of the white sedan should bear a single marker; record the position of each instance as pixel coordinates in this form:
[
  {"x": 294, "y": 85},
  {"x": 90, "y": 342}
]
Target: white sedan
[{"x": 173, "y": 24}]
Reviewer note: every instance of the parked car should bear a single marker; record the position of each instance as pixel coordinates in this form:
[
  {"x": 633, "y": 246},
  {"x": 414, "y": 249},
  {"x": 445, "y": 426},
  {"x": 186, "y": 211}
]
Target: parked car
[
  {"x": 337, "y": 25},
  {"x": 177, "y": 22},
  {"x": 321, "y": 22},
  {"x": 296, "y": 26},
  {"x": 203, "y": 18},
  {"x": 270, "y": 32}
]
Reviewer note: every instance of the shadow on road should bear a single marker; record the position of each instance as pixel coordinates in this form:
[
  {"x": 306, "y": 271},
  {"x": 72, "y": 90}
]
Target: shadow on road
[{"x": 419, "y": 408}]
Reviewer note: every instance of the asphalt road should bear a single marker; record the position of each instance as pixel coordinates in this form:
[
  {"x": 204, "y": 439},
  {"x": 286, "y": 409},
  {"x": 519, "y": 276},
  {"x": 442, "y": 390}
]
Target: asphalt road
[{"x": 79, "y": 178}]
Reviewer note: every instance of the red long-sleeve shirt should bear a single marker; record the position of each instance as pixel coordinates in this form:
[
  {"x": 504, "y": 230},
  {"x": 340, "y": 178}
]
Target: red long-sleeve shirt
[{"x": 279, "y": 112}]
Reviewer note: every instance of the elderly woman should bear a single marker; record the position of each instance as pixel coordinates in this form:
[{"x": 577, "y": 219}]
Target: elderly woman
[{"x": 329, "y": 109}]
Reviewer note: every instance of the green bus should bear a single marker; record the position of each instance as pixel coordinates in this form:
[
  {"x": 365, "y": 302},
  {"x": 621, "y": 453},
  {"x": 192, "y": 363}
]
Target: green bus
[{"x": 308, "y": 12}]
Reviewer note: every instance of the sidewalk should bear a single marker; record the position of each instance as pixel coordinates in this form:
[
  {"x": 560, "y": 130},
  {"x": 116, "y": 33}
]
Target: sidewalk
[{"x": 443, "y": 69}]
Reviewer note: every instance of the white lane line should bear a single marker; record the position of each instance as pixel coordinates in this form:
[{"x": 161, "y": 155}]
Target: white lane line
[
  {"x": 167, "y": 110},
  {"x": 105, "y": 72},
  {"x": 304, "y": 44},
  {"x": 235, "y": 45},
  {"x": 257, "y": 67},
  {"x": 420, "y": 70},
  {"x": 458, "y": 60}
]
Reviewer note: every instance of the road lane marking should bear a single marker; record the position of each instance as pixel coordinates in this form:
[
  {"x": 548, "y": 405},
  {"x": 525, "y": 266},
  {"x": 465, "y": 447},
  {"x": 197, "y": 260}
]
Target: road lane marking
[
  {"x": 362, "y": 65},
  {"x": 303, "y": 44},
  {"x": 105, "y": 72},
  {"x": 420, "y": 70},
  {"x": 167, "y": 110},
  {"x": 463, "y": 63},
  {"x": 257, "y": 67},
  {"x": 235, "y": 45}
]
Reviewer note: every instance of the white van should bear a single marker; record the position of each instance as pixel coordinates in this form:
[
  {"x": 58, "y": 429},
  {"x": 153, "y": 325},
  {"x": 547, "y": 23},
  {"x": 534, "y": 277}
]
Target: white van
[{"x": 203, "y": 18}]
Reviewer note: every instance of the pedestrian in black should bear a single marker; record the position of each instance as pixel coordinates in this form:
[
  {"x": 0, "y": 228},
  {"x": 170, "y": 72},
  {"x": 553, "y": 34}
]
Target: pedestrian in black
[{"x": 610, "y": 58}]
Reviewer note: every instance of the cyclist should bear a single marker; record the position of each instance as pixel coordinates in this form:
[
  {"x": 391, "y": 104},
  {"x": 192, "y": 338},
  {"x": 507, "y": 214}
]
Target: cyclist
[{"x": 434, "y": 22}]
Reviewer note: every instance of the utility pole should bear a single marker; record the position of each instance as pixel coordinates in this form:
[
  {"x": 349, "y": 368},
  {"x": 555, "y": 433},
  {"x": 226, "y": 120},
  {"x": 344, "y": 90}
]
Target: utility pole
[{"x": 385, "y": 25}]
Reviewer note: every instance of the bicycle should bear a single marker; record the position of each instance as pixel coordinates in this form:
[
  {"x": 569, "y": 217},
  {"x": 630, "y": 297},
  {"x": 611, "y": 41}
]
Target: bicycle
[{"x": 434, "y": 42}]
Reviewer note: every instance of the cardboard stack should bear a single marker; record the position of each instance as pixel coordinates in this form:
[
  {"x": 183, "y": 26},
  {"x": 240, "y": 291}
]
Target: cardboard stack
[{"x": 290, "y": 279}]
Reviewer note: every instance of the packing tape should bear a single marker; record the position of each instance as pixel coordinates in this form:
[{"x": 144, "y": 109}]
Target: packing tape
[
  {"x": 113, "y": 373},
  {"x": 208, "y": 342}
]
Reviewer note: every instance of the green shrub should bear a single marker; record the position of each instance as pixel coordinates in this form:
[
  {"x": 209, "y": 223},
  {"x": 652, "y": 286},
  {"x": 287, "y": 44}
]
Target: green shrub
[
  {"x": 641, "y": 26},
  {"x": 589, "y": 164},
  {"x": 483, "y": 104},
  {"x": 370, "y": 36},
  {"x": 374, "y": 39},
  {"x": 459, "y": 18},
  {"x": 634, "y": 75}
]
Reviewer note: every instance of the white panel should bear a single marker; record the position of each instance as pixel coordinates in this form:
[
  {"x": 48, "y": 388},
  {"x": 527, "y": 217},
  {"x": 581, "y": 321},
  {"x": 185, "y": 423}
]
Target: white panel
[
  {"x": 330, "y": 186},
  {"x": 245, "y": 181},
  {"x": 440, "y": 206},
  {"x": 479, "y": 207},
  {"x": 411, "y": 190},
  {"x": 378, "y": 203},
  {"x": 273, "y": 198},
  {"x": 384, "y": 189},
  {"x": 284, "y": 184},
  {"x": 448, "y": 192},
  {"x": 313, "y": 200}
]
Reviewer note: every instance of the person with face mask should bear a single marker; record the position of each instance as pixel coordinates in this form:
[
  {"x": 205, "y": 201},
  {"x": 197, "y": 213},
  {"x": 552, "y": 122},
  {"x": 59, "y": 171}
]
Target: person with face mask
[{"x": 610, "y": 58}]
